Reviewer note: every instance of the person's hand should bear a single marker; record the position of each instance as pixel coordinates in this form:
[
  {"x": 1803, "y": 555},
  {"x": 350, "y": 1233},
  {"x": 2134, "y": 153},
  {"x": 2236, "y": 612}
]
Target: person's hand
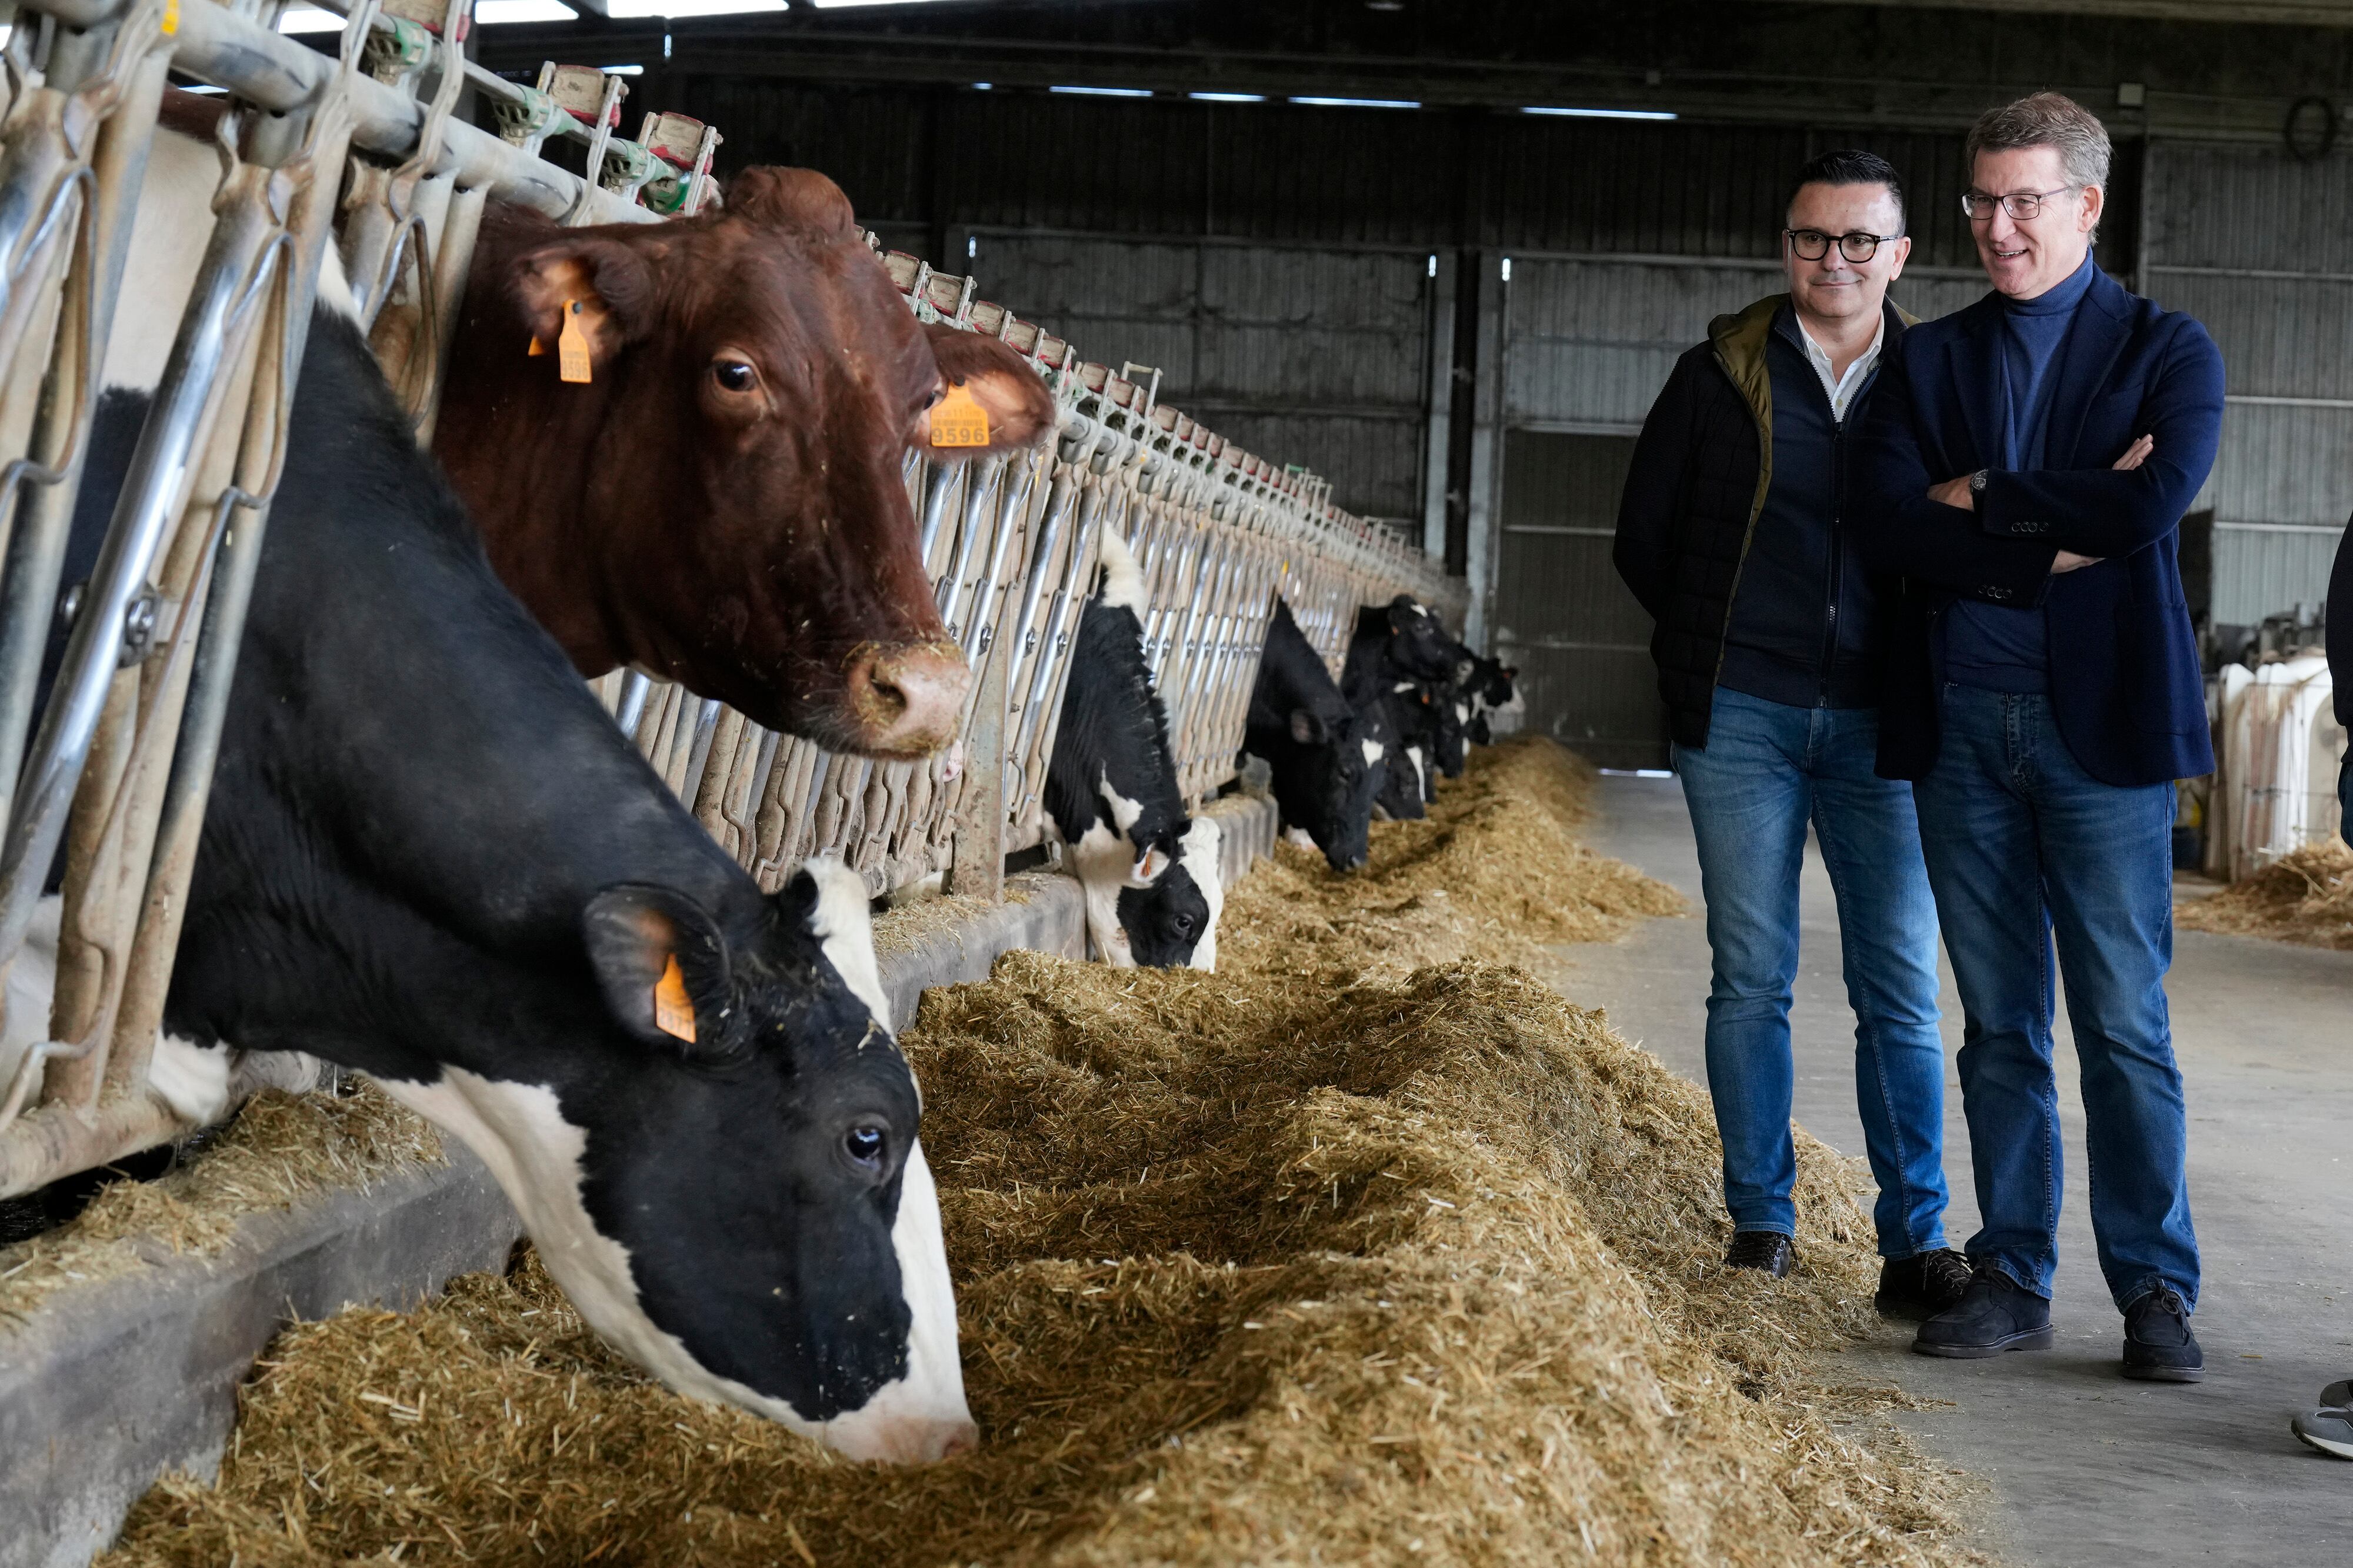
[
  {"x": 2068, "y": 561},
  {"x": 2135, "y": 455},
  {"x": 1955, "y": 493}
]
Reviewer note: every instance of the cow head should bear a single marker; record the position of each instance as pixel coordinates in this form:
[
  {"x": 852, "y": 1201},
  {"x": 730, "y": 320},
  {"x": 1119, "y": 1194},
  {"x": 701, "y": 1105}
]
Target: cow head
[
  {"x": 724, "y": 1173},
  {"x": 724, "y": 501},
  {"x": 1337, "y": 763},
  {"x": 1171, "y": 922},
  {"x": 1418, "y": 646}
]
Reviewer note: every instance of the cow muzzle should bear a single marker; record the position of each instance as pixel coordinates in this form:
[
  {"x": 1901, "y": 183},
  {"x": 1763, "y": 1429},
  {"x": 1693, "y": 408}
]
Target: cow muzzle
[{"x": 904, "y": 699}]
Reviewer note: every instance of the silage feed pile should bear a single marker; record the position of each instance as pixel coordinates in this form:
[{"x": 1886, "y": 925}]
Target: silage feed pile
[
  {"x": 1415, "y": 1269},
  {"x": 2305, "y": 897}
]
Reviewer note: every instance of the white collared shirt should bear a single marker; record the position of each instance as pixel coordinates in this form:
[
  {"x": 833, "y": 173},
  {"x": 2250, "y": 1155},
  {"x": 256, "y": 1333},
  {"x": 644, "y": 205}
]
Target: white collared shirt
[{"x": 1841, "y": 388}]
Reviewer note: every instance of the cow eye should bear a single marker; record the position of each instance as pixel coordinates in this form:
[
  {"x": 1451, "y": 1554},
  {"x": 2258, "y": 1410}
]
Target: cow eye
[
  {"x": 864, "y": 1144},
  {"x": 735, "y": 375},
  {"x": 1184, "y": 926}
]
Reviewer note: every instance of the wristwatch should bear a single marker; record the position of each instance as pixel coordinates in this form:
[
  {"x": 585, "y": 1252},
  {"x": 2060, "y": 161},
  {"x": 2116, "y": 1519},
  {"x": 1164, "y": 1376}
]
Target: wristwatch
[{"x": 1978, "y": 481}]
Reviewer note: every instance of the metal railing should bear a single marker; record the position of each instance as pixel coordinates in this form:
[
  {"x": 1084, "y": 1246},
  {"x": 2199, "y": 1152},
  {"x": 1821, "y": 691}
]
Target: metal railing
[{"x": 117, "y": 767}]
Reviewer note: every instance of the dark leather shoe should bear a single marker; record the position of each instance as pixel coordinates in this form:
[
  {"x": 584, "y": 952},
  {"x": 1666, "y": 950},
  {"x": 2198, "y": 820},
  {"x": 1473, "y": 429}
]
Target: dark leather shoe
[
  {"x": 2158, "y": 1345},
  {"x": 1918, "y": 1287},
  {"x": 1994, "y": 1314},
  {"x": 1766, "y": 1250}
]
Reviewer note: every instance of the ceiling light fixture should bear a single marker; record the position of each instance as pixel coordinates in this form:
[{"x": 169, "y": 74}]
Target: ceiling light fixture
[
  {"x": 309, "y": 19},
  {"x": 686, "y": 10},
  {"x": 1103, "y": 92},
  {"x": 1360, "y": 102},
  {"x": 1603, "y": 113},
  {"x": 1226, "y": 97},
  {"x": 498, "y": 13}
]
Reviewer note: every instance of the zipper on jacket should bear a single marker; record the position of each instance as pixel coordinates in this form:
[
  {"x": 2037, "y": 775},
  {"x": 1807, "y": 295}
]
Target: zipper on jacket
[{"x": 1836, "y": 570}]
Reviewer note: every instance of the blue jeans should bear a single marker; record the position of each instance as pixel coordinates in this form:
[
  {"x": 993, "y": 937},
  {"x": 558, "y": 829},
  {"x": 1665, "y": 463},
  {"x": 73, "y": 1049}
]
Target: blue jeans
[
  {"x": 1766, "y": 770},
  {"x": 2023, "y": 844}
]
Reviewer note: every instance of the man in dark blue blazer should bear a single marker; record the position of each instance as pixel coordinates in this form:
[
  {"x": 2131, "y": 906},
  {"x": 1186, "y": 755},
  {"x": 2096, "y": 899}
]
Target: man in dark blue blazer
[{"x": 2025, "y": 469}]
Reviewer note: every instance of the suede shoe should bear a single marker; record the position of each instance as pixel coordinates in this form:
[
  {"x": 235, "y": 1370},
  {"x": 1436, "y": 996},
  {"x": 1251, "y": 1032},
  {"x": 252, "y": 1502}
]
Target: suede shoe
[
  {"x": 1994, "y": 1314},
  {"x": 1917, "y": 1288},
  {"x": 2329, "y": 1431},
  {"x": 1768, "y": 1250},
  {"x": 2158, "y": 1345}
]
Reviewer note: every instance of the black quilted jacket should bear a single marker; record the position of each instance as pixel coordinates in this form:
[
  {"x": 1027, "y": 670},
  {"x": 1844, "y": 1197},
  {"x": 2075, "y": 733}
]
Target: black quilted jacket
[{"x": 1689, "y": 509}]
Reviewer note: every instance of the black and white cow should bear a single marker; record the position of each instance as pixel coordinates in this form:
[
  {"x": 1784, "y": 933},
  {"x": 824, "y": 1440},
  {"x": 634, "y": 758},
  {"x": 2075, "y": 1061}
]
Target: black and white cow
[
  {"x": 429, "y": 856},
  {"x": 1490, "y": 688},
  {"x": 1328, "y": 759},
  {"x": 1399, "y": 655},
  {"x": 1152, "y": 888}
]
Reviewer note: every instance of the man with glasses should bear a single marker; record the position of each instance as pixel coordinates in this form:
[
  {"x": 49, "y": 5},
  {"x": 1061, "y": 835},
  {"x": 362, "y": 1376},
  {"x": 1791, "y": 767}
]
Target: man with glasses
[
  {"x": 1735, "y": 534},
  {"x": 2024, "y": 470}
]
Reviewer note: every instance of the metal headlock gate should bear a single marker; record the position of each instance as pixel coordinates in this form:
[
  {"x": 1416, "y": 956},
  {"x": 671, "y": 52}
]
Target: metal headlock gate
[{"x": 362, "y": 148}]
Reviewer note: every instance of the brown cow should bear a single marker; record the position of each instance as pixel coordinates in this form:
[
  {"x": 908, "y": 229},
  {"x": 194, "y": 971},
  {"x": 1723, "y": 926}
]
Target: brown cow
[{"x": 721, "y": 503}]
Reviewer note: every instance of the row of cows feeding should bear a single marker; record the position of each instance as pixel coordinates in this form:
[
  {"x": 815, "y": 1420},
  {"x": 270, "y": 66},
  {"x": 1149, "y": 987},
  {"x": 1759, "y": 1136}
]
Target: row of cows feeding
[{"x": 429, "y": 855}]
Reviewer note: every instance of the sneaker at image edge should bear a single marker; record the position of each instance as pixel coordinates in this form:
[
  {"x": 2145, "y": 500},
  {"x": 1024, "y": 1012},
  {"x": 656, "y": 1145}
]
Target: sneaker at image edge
[{"x": 2329, "y": 1432}]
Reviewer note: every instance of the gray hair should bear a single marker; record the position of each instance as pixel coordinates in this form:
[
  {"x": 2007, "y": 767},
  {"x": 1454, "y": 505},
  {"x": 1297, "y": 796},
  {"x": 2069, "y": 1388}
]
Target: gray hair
[{"x": 2046, "y": 120}]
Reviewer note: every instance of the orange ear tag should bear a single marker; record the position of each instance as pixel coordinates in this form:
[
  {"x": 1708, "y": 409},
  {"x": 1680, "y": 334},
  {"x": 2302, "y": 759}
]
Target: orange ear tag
[
  {"x": 673, "y": 1011},
  {"x": 537, "y": 348},
  {"x": 959, "y": 420},
  {"x": 572, "y": 348}
]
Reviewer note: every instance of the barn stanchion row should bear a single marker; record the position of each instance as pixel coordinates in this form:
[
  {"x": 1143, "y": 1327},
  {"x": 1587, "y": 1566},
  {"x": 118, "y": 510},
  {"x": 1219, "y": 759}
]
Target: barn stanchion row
[
  {"x": 117, "y": 767},
  {"x": 363, "y": 149}
]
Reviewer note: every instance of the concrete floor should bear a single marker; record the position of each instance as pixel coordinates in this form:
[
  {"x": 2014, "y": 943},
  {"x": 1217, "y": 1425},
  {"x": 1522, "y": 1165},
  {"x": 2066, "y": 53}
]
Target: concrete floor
[{"x": 2084, "y": 1467}]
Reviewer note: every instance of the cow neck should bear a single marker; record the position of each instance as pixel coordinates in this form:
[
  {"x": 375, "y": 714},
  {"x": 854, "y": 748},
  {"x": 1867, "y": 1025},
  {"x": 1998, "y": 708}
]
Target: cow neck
[
  {"x": 446, "y": 778},
  {"x": 525, "y": 452}
]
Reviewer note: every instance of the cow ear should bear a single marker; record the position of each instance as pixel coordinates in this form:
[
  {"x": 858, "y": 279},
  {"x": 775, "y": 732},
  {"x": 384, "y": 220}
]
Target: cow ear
[
  {"x": 664, "y": 967},
  {"x": 829, "y": 899},
  {"x": 606, "y": 285},
  {"x": 1019, "y": 409},
  {"x": 1307, "y": 729}
]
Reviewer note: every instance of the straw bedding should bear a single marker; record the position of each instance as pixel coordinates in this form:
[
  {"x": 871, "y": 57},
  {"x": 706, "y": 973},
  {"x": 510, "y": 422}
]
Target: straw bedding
[
  {"x": 1417, "y": 1267},
  {"x": 2305, "y": 897}
]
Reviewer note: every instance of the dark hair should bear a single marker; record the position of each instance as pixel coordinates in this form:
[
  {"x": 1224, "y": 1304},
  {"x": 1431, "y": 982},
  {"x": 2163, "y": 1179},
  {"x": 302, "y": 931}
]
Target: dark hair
[{"x": 1849, "y": 166}]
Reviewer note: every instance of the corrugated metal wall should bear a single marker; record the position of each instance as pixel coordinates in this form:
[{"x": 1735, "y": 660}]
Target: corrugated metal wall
[
  {"x": 1310, "y": 356},
  {"x": 2259, "y": 247}
]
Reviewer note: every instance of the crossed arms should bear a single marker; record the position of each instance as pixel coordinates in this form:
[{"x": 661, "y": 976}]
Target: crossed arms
[{"x": 2005, "y": 545}]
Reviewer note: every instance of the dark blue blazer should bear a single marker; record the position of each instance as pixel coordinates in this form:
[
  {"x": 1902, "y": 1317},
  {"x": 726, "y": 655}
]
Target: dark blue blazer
[{"x": 2126, "y": 686}]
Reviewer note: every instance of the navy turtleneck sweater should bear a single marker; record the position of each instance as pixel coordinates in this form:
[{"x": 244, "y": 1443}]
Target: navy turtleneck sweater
[{"x": 1991, "y": 646}]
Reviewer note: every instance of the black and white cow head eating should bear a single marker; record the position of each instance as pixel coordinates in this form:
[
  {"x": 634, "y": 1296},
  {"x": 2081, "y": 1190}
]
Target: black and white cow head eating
[
  {"x": 1149, "y": 870},
  {"x": 726, "y": 1177},
  {"x": 1418, "y": 646},
  {"x": 1327, "y": 757}
]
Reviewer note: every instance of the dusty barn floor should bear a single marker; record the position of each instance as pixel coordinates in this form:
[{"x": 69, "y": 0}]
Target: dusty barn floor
[{"x": 2084, "y": 1468}]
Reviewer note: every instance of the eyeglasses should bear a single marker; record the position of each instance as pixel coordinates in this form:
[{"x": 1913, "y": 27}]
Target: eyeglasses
[
  {"x": 1812, "y": 244},
  {"x": 2023, "y": 207}
]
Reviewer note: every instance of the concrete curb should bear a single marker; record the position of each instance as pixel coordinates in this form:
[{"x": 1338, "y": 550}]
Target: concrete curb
[{"x": 104, "y": 1389}]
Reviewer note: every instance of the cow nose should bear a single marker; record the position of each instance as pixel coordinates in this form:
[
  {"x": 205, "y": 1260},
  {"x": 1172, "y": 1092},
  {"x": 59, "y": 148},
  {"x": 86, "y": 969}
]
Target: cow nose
[{"x": 905, "y": 699}]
